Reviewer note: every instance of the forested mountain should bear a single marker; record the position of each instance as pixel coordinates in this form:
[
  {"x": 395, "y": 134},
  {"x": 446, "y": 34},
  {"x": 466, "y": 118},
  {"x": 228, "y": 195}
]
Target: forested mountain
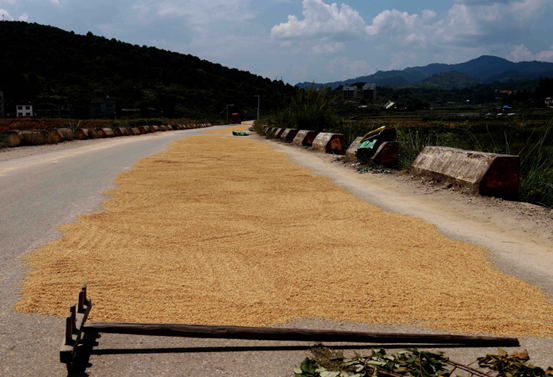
[
  {"x": 447, "y": 81},
  {"x": 485, "y": 68},
  {"x": 45, "y": 64}
]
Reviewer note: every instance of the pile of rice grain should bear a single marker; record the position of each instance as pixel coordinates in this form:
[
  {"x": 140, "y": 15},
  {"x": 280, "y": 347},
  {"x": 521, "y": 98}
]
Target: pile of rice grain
[{"x": 222, "y": 230}]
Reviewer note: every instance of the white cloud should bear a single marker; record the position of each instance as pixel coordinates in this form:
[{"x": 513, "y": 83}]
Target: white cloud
[
  {"x": 327, "y": 47},
  {"x": 321, "y": 19},
  {"x": 342, "y": 67},
  {"x": 5, "y": 15},
  {"x": 403, "y": 59},
  {"x": 24, "y": 17},
  {"x": 522, "y": 53}
]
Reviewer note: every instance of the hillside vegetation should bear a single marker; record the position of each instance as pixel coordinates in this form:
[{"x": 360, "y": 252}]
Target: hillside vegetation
[
  {"x": 447, "y": 81},
  {"x": 46, "y": 64}
]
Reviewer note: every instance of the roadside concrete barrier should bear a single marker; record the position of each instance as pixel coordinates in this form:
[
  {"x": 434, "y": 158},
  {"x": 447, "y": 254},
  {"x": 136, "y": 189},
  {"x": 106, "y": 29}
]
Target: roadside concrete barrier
[
  {"x": 34, "y": 137},
  {"x": 278, "y": 132},
  {"x": 134, "y": 131},
  {"x": 329, "y": 143},
  {"x": 289, "y": 134},
  {"x": 57, "y": 135},
  {"x": 104, "y": 132},
  {"x": 305, "y": 138},
  {"x": 487, "y": 174},
  {"x": 82, "y": 133},
  {"x": 119, "y": 131},
  {"x": 386, "y": 154},
  {"x": 144, "y": 129},
  {"x": 352, "y": 149},
  {"x": 154, "y": 128},
  {"x": 163, "y": 128}
]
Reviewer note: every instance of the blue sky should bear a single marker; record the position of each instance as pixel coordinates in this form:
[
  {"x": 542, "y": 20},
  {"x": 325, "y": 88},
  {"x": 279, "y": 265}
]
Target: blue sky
[{"x": 306, "y": 40}]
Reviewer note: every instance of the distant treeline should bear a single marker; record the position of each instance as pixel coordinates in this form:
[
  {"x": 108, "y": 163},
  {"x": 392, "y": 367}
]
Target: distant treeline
[{"x": 49, "y": 65}]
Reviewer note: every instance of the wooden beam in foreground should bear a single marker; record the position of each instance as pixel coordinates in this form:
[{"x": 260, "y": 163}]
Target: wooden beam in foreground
[
  {"x": 74, "y": 324},
  {"x": 284, "y": 334}
]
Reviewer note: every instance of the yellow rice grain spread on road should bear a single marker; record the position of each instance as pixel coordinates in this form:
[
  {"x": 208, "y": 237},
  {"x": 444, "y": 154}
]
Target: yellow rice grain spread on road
[{"x": 225, "y": 230}]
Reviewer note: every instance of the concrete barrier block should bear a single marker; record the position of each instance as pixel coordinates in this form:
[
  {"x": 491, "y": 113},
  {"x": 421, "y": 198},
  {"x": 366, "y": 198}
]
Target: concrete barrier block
[
  {"x": 288, "y": 135},
  {"x": 31, "y": 137},
  {"x": 82, "y": 133},
  {"x": 144, "y": 129},
  {"x": 154, "y": 128},
  {"x": 56, "y": 135},
  {"x": 14, "y": 138},
  {"x": 104, "y": 132},
  {"x": 134, "y": 131},
  {"x": 329, "y": 143},
  {"x": 305, "y": 138},
  {"x": 352, "y": 149},
  {"x": 483, "y": 173},
  {"x": 386, "y": 154},
  {"x": 278, "y": 132},
  {"x": 119, "y": 131}
]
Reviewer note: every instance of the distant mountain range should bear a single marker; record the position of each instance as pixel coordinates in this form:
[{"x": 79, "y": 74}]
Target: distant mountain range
[{"x": 485, "y": 69}]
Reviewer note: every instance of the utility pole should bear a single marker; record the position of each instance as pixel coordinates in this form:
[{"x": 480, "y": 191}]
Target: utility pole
[{"x": 258, "y": 104}]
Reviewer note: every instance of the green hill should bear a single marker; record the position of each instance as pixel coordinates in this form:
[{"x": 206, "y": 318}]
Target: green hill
[
  {"x": 485, "y": 68},
  {"x": 447, "y": 81},
  {"x": 46, "y": 64}
]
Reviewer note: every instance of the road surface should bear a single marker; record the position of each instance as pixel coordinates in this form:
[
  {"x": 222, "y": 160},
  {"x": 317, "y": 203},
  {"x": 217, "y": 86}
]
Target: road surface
[{"x": 40, "y": 193}]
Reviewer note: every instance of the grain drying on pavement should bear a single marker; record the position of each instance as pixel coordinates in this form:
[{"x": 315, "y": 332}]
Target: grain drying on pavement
[{"x": 225, "y": 230}]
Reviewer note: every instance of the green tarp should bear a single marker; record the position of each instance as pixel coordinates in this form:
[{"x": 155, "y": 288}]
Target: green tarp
[
  {"x": 242, "y": 133},
  {"x": 369, "y": 145}
]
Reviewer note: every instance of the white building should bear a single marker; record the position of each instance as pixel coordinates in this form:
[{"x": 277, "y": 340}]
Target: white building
[
  {"x": 2, "y": 115},
  {"x": 24, "y": 111},
  {"x": 548, "y": 101}
]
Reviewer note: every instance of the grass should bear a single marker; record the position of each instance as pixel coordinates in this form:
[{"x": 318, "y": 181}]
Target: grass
[
  {"x": 532, "y": 142},
  {"x": 534, "y": 146}
]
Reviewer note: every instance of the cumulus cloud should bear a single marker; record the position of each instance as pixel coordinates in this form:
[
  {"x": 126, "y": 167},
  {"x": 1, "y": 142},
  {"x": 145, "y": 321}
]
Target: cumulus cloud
[
  {"x": 327, "y": 47},
  {"x": 522, "y": 53},
  {"x": 467, "y": 22},
  {"x": 24, "y": 17},
  {"x": 5, "y": 15},
  {"x": 321, "y": 19}
]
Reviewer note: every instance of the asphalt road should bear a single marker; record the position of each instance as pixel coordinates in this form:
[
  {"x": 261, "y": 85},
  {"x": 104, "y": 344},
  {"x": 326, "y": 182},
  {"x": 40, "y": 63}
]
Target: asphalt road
[
  {"x": 37, "y": 194},
  {"x": 40, "y": 193}
]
